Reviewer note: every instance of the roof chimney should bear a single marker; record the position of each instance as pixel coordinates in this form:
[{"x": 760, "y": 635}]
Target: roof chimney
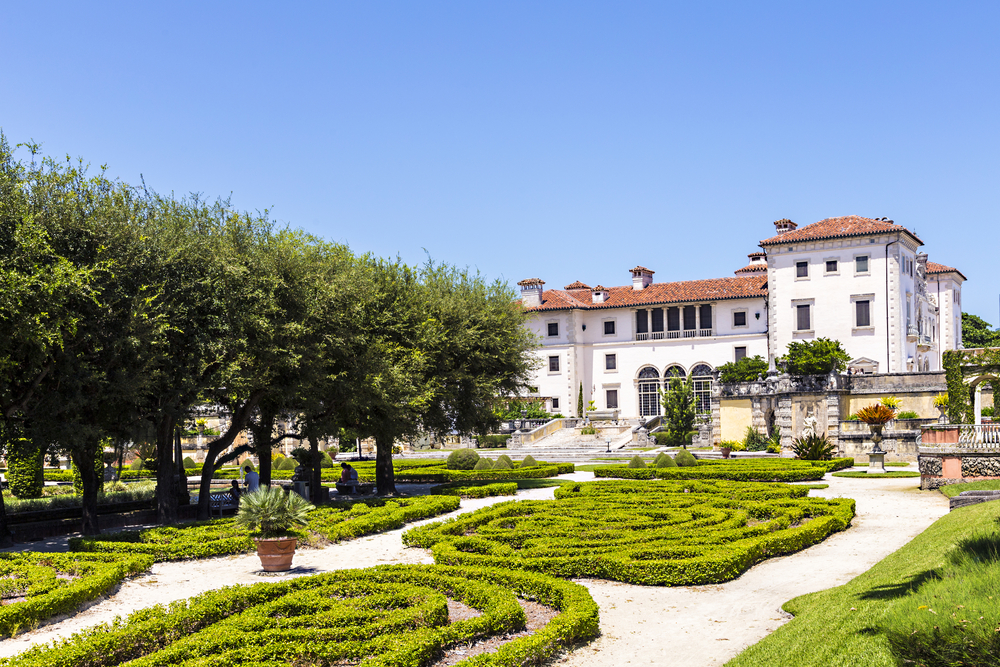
[
  {"x": 599, "y": 294},
  {"x": 784, "y": 225},
  {"x": 531, "y": 292},
  {"x": 641, "y": 277}
]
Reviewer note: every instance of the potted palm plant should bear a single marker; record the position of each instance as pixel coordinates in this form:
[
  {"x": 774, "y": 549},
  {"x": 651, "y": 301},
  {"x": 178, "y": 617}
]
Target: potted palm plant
[{"x": 271, "y": 513}]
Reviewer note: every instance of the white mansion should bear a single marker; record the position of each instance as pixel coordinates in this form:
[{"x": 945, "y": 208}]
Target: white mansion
[{"x": 860, "y": 281}]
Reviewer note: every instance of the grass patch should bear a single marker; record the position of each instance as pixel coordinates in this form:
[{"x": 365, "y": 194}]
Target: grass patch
[
  {"x": 896, "y": 464},
  {"x": 814, "y": 486},
  {"x": 661, "y": 533},
  {"x": 117, "y": 493},
  {"x": 859, "y": 623},
  {"x": 952, "y": 490},
  {"x": 877, "y": 475}
]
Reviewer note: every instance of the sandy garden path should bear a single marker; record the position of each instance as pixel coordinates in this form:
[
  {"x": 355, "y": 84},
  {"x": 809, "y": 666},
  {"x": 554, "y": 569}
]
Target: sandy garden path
[{"x": 696, "y": 626}]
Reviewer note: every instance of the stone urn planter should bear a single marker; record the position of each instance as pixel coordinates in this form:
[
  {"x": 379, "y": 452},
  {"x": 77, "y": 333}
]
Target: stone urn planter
[
  {"x": 726, "y": 451},
  {"x": 273, "y": 512},
  {"x": 276, "y": 553}
]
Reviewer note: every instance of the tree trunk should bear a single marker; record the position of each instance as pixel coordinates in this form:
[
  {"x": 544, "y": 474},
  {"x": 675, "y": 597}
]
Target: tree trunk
[
  {"x": 86, "y": 460},
  {"x": 263, "y": 432},
  {"x": 316, "y": 481},
  {"x": 166, "y": 493},
  {"x": 6, "y": 539},
  {"x": 241, "y": 417},
  {"x": 385, "y": 478}
]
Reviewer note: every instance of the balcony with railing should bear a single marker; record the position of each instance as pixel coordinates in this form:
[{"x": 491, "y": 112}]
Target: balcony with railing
[{"x": 670, "y": 335}]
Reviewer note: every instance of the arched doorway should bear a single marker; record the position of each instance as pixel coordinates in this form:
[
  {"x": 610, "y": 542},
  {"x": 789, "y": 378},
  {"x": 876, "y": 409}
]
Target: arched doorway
[
  {"x": 701, "y": 376},
  {"x": 649, "y": 394}
]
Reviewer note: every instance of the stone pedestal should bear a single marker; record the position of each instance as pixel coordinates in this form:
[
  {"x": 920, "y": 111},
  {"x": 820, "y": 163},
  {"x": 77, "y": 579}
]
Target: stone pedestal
[{"x": 876, "y": 462}]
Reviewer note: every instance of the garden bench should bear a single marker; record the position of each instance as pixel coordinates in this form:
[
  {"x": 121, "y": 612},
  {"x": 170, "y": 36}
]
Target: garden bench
[
  {"x": 222, "y": 502},
  {"x": 354, "y": 487}
]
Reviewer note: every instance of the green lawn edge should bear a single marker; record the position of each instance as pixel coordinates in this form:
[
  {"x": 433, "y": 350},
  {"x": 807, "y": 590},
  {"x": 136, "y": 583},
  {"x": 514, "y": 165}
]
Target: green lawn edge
[
  {"x": 952, "y": 490},
  {"x": 840, "y": 626}
]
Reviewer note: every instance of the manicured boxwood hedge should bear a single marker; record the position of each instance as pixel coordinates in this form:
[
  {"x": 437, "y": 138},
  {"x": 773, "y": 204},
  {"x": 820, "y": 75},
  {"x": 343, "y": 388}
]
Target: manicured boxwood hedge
[
  {"x": 664, "y": 533},
  {"x": 388, "y": 615},
  {"x": 37, "y": 586},
  {"x": 221, "y": 537},
  {"x": 740, "y": 470},
  {"x": 476, "y": 491},
  {"x": 877, "y": 475}
]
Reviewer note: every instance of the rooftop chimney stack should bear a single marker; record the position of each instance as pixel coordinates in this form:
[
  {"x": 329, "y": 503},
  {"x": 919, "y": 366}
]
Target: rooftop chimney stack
[
  {"x": 641, "y": 277},
  {"x": 531, "y": 292},
  {"x": 784, "y": 225},
  {"x": 599, "y": 294}
]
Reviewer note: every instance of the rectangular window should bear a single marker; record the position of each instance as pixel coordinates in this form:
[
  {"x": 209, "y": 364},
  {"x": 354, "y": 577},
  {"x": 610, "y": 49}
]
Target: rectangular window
[
  {"x": 689, "y": 318},
  {"x": 802, "y": 322},
  {"x": 610, "y": 362},
  {"x": 641, "y": 321},
  {"x": 863, "y": 311},
  {"x": 609, "y": 328},
  {"x": 673, "y": 318},
  {"x": 801, "y": 269},
  {"x": 657, "y": 319},
  {"x": 553, "y": 328},
  {"x": 553, "y": 364},
  {"x": 706, "y": 316},
  {"x": 739, "y": 318},
  {"x": 612, "y": 399},
  {"x": 831, "y": 266},
  {"x": 555, "y": 403},
  {"x": 741, "y": 353},
  {"x": 861, "y": 264}
]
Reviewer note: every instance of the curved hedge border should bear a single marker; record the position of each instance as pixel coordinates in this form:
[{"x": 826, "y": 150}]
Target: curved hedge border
[
  {"x": 477, "y": 491},
  {"x": 387, "y": 615},
  {"x": 666, "y": 533},
  {"x": 746, "y": 470},
  {"x": 221, "y": 537},
  {"x": 57, "y": 583},
  {"x": 877, "y": 475}
]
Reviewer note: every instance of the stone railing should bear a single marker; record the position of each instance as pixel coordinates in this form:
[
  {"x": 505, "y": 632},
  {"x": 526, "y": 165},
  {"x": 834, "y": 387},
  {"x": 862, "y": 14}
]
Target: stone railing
[
  {"x": 522, "y": 439},
  {"x": 958, "y": 438}
]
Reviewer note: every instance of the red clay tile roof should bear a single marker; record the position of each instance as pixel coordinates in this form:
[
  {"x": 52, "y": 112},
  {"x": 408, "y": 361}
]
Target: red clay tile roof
[
  {"x": 832, "y": 228},
  {"x": 642, "y": 269},
  {"x": 934, "y": 267},
  {"x": 754, "y": 267},
  {"x": 688, "y": 291},
  {"x": 600, "y": 288},
  {"x": 577, "y": 285},
  {"x": 531, "y": 281}
]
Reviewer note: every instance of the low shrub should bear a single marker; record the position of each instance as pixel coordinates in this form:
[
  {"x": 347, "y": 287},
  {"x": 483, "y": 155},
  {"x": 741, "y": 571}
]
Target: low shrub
[
  {"x": 477, "y": 491},
  {"x": 754, "y": 440},
  {"x": 505, "y": 459},
  {"x": 528, "y": 462},
  {"x": 491, "y": 441},
  {"x": 325, "y": 460},
  {"x": 189, "y": 463},
  {"x": 877, "y": 475},
  {"x": 588, "y": 430},
  {"x": 740, "y": 470},
  {"x": 651, "y": 533},
  {"x": 387, "y": 615},
  {"x": 813, "y": 447},
  {"x": 636, "y": 462},
  {"x": 685, "y": 458},
  {"x": 483, "y": 464},
  {"x": 502, "y": 463},
  {"x": 734, "y": 445},
  {"x": 136, "y": 465},
  {"x": 664, "y": 461},
  {"x": 463, "y": 459},
  {"x": 52, "y": 584},
  {"x": 285, "y": 464},
  {"x": 907, "y": 414}
]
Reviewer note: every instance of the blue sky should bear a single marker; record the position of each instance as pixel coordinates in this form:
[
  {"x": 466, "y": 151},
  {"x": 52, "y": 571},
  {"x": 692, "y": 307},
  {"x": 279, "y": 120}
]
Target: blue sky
[{"x": 559, "y": 140}]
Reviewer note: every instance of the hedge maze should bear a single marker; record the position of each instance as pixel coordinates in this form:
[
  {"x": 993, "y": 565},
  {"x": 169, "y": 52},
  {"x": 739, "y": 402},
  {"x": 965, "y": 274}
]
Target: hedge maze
[
  {"x": 388, "y": 615},
  {"x": 221, "y": 537},
  {"x": 664, "y": 533},
  {"x": 36, "y": 586},
  {"x": 739, "y": 470}
]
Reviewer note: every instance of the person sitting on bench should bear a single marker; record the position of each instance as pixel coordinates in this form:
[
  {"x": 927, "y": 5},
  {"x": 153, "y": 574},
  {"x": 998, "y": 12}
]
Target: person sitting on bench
[{"x": 348, "y": 475}]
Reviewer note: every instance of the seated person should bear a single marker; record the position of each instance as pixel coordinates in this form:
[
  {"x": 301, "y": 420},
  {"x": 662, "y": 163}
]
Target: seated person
[
  {"x": 348, "y": 474},
  {"x": 235, "y": 491}
]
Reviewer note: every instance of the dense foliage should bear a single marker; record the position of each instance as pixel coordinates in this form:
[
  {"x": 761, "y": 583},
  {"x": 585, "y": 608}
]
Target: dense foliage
[
  {"x": 388, "y": 615},
  {"x": 813, "y": 447},
  {"x": 652, "y": 533},
  {"x": 476, "y": 491},
  {"x": 679, "y": 412},
  {"x": 462, "y": 459},
  {"x": 740, "y": 470},
  {"x": 815, "y": 357},
  {"x": 746, "y": 369},
  {"x": 37, "y": 586},
  {"x": 272, "y": 511},
  {"x": 977, "y": 332}
]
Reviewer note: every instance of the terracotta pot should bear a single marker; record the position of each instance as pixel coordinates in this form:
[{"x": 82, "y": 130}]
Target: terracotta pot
[{"x": 275, "y": 553}]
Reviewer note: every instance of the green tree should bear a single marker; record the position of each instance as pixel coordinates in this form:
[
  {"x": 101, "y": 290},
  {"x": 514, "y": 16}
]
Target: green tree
[
  {"x": 679, "y": 411},
  {"x": 579, "y": 402},
  {"x": 977, "y": 332},
  {"x": 815, "y": 357},
  {"x": 746, "y": 369}
]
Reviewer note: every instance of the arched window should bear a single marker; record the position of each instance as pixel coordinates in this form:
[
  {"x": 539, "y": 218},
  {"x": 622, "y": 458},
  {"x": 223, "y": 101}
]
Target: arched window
[
  {"x": 674, "y": 372},
  {"x": 649, "y": 395},
  {"x": 701, "y": 376}
]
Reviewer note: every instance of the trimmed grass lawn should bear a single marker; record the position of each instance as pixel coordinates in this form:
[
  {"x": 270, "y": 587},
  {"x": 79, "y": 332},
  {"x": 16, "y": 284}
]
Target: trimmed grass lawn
[
  {"x": 952, "y": 490},
  {"x": 944, "y": 578}
]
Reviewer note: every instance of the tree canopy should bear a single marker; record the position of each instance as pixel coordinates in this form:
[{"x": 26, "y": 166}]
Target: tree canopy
[
  {"x": 815, "y": 357},
  {"x": 977, "y": 332}
]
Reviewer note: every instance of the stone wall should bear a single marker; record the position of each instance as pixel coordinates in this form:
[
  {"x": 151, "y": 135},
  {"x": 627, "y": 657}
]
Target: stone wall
[{"x": 940, "y": 469}]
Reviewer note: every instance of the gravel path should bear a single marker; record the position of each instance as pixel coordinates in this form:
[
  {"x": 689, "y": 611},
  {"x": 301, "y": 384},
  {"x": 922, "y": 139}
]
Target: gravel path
[{"x": 683, "y": 626}]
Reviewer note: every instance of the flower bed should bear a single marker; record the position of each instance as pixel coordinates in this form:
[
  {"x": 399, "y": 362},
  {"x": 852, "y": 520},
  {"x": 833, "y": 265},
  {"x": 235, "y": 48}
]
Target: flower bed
[
  {"x": 664, "y": 533},
  {"x": 221, "y": 537},
  {"x": 740, "y": 470},
  {"x": 388, "y": 615},
  {"x": 37, "y": 586}
]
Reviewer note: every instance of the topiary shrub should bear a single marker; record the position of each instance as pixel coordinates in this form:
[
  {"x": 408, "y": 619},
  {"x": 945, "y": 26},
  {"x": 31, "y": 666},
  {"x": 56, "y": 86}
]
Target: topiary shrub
[
  {"x": 483, "y": 464},
  {"x": 149, "y": 464},
  {"x": 276, "y": 457},
  {"x": 528, "y": 462},
  {"x": 500, "y": 464},
  {"x": 287, "y": 464},
  {"x": 189, "y": 462},
  {"x": 463, "y": 459},
  {"x": 664, "y": 461},
  {"x": 24, "y": 469},
  {"x": 636, "y": 462},
  {"x": 506, "y": 459},
  {"x": 685, "y": 458},
  {"x": 247, "y": 466},
  {"x": 325, "y": 461},
  {"x": 136, "y": 465}
]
